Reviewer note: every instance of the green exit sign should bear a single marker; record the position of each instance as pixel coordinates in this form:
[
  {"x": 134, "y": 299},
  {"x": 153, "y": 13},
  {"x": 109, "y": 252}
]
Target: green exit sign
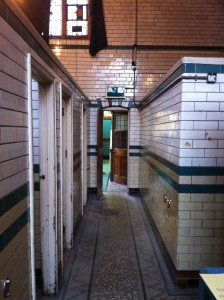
[{"x": 115, "y": 92}]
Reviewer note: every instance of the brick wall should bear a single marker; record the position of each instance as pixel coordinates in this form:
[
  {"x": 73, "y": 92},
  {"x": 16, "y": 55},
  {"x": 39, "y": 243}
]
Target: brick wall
[
  {"x": 182, "y": 140},
  {"x": 14, "y": 194},
  {"x": 15, "y": 239},
  {"x": 166, "y": 31}
]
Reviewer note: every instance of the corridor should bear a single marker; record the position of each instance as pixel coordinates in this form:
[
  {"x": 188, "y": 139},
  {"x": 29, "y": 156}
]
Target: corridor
[{"x": 115, "y": 255}]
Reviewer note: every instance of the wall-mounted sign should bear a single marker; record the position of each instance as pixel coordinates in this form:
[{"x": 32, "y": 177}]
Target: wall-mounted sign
[{"x": 115, "y": 92}]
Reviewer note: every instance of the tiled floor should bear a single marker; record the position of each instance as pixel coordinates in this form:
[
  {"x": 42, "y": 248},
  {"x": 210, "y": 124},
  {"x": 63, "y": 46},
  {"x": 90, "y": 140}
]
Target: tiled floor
[{"x": 115, "y": 255}]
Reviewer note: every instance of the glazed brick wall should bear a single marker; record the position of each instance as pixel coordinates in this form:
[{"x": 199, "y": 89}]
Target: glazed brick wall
[
  {"x": 14, "y": 255},
  {"x": 92, "y": 141},
  {"x": 163, "y": 22},
  {"x": 159, "y": 24},
  {"x": 36, "y": 158},
  {"x": 184, "y": 126},
  {"x": 114, "y": 67},
  {"x": 77, "y": 184}
]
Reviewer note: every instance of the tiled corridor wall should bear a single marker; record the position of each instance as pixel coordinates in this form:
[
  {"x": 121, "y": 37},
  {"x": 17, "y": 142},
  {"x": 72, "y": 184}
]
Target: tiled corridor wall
[
  {"x": 166, "y": 31},
  {"x": 14, "y": 180},
  {"x": 133, "y": 145},
  {"x": 15, "y": 193},
  {"x": 182, "y": 157},
  {"x": 77, "y": 183},
  {"x": 36, "y": 162}
]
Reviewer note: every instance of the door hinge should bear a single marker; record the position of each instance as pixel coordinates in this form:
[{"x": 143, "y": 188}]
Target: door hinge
[{"x": 66, "y": 153}]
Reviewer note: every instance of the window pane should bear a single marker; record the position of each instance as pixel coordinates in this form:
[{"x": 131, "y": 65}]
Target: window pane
[
  {"x": 72, "y": 2},
  {"x": 77, "y": 18},
  {"x": 77, "y": 28},
  {"x": 121, "y": 122},
  {"x": 55, "y": 26},
  {"x": 77, "y": 12}
]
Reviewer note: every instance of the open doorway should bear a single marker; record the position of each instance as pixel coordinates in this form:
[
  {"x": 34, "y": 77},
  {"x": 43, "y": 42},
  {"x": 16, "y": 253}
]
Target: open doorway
[
  {"x": 114, "y": 143},
  {"x": 107, "y": 144}
]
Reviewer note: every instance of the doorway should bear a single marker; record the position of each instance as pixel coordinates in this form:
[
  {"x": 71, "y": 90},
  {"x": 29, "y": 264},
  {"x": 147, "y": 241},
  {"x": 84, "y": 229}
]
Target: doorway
[
  {"x": 107, "y": 144},
  {"x": 112, "y": 148}
]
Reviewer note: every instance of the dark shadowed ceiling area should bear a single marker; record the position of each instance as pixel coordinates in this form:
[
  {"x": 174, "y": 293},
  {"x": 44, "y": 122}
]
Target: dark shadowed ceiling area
[{"x": 38, "y": 12}]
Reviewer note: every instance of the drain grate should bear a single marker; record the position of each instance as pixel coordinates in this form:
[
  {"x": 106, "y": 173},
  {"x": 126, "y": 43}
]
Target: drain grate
[{"x": 110, "y": 212}]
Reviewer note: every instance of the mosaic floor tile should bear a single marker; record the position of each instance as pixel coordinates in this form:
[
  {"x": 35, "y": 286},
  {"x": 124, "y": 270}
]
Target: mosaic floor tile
[{"x": 115, "y": 256}]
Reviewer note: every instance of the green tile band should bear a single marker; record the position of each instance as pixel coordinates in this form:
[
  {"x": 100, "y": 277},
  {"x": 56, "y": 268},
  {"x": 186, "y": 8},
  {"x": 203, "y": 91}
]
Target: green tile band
[
  {"x": 13, "y": 198},
  {"x": 187, "y": 188},
  {"x": 10, "y": 233}
]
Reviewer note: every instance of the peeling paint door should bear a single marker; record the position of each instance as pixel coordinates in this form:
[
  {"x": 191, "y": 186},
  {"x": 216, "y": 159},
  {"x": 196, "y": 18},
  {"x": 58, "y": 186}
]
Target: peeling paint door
[
  {"x": 67, "y": 173},
  {"x": 48, "y": 202},
  {"x": 84, "y": 157}
]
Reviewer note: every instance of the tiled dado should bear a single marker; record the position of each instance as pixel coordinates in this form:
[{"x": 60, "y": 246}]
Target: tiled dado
[
  {"x": 10, "y": 200},
  {"x": 203, "y": 180},
  {"x": 133, "y": 150},
  {"x": 6, "y": 204}
]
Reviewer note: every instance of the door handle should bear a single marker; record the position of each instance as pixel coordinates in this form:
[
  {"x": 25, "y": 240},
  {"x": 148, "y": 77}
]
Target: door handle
[{"x": 42, "y": 177}]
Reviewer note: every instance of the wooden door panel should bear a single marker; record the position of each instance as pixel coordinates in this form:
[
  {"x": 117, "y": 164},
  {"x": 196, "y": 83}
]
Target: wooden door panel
[
  {"x": 120, "y": 166},
  {"x": 120, "y": 145}
]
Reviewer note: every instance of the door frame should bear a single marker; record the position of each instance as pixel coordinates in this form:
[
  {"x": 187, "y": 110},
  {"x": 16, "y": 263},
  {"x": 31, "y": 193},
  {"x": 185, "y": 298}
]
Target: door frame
[
  {"x": 100, "y": 144},
  {"x": 48, "y": 187},
  {"x": 99, "y": 153},
  {"x": 66, "y": 114},
  {"x": 84, "y": 156}
]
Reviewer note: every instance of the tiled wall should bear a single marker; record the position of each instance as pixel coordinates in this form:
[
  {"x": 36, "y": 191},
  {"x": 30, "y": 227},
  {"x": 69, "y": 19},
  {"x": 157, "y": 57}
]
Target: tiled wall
[
  {"x": 92, "y": 148},
  {"x": 36, "y": 161},
  {"x": 133, "y": 159},
  {"x": 14, "y": 181},
  {"x": 133, "y": 144},
  {"x": 182, "y": 137},
  {"x": 166, "y": 31},
  {"x": 15, "y": 241},
  {"x": 77, "y": 184}
]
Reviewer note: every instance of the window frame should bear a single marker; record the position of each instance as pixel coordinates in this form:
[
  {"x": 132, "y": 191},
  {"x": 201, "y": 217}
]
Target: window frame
[{"x": 64, "y": 25}]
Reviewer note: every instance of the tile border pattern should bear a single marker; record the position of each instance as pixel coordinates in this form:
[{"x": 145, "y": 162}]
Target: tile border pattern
[{"x": 185, "y": 171}]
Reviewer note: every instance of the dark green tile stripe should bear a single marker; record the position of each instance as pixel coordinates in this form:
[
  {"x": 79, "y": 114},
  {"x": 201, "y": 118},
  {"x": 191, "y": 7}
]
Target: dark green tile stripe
[
  {"x": 9, "y": 201},
  {"x": 184, "y": 68},
  {"x": 147, "y": 47},
  {"x": 36, "y": 186},
  {"x": 9, "y": 234},
  {"x": 187, "y": 188},
  {"x": 134, "y": 154},
  {"x": 92, "y": 146},
  {"x": 77, "y": 155},
  {"x": 77, "y": 166},
  {"x": 186, "y": 171},
  {"x": 134, "y": 147},
  {"x": 36, "y": 168},
  {"x": 92, "y": 153}
]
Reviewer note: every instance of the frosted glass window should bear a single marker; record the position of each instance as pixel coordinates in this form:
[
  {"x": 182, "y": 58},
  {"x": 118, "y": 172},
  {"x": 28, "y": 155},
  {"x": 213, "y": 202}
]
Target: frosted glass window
[
  {"x": 55, "y": 26},
  {"x": 77, "y": 18},
  {"x": 68, "y": 18},
  {"x": 121, "y": 122},
  {"x": 81, "y": 2}
]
